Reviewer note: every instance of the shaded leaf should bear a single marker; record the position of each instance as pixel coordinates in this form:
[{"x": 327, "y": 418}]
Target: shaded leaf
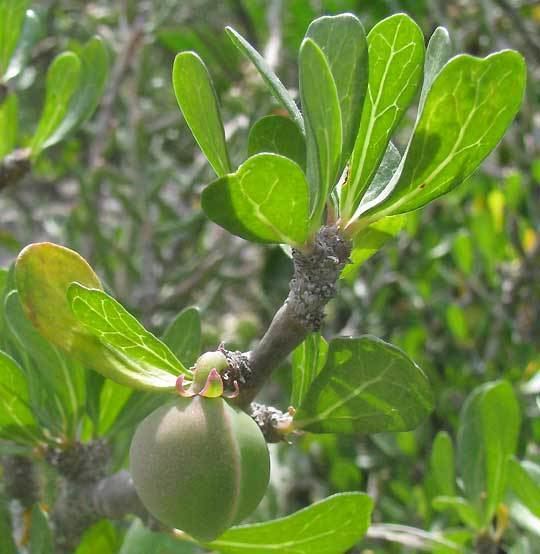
[
  {"x": 524, "y": 482},
  {"x": 94, "y": 71},
  {"x": 41, "y": 541},
  {"x": 112, "y": 399},
  {"x": 366, "y": 386},
  {"x": 183, "y": 336},
  {"x": 16, "y": 419},
  {"x": 279, "y": 135},
  {"x": 198, "y": 101},
  {"x": 62, "y": 82},
  {"x": 487, "y": 436},
  {"x": 101, "y": 537},
  {"x": 466, "y": 513},
  {"x": 9, "y": 123},
  {"x": 442, "y": 464},
  {"x": 320, "y": 104},
  {"x": 331, "y": 525},
  {"x": 307, "y": 361},
  {"x": 269, "y": 77},
  {"x": 369, "y": 240},
  {"x": 140, "y": 540},
  {"x": 396, "y": 59},
  {"x": 30, "y": 34},
  {"x": 266, "y": 200},
  {"x": 343, "y": 41}
]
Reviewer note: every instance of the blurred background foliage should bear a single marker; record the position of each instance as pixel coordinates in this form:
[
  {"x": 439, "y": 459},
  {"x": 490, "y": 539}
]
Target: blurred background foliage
[{"x": 458, "y": 290}]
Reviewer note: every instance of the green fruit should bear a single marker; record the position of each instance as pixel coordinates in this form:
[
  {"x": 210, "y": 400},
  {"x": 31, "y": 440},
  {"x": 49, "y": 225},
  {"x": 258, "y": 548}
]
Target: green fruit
[{"x": 199, "y": 465}]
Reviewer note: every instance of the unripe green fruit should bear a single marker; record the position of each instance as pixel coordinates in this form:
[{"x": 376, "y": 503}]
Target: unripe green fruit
[{"x": 199, "y": 465}]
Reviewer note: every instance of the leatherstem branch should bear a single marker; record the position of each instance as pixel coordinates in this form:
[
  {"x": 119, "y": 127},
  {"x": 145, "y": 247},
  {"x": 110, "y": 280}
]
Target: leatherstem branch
[{"x": 313, "y": 285}]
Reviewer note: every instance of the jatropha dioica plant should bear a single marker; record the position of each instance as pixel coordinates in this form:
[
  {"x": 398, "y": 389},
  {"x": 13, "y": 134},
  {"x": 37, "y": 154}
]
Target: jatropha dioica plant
[{"x": 328, "y": 184}]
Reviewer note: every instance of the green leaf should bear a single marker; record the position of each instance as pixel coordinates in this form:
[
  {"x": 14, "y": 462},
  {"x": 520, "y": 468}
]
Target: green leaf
[
  {"x": 31, "y": 32},
  {"x": 9, "y": 123},
  {"x": 369, "y": 240},
  {"x": 334, "y": 524},
  {"x": 104, "y": 317},
  {"x": 466, "y": 513},
  {"x": 442, "y": 464},
  {"x": 12, "y": 15},
  {"x": 396, "y": 58},
  {"x": 198, "y": 101},
  {"x": 269, "y": 77},
  {"x": 62, "y": 81},
  {"x": 522, "y": 482},
  {"x": 487, "y": 436},
  {"x": 308, "y": 359},
  {"x": 94, "y": 71},
  {"x": 469, "y": 107},
  {"x": 17, "y": 421},
  {"x": 41, "y": 541},
  {"x": 183, "y": 336},
  {"x": 343, "y": 41},
  {"x": 112, "y": 399},
  {"x": 266, "y": 200},
  {"x": 320, "y": 104},
  {"x": 366, "y": 386},
  {"x": 279, "y": 135},
  {"x": 6, "y": 532},
  {"x": 438, "y": 52},
  {"x": 56, "y": 385},
  {"x": 102, "y": 537},
  {"x": 43, "y": 273},
  {"x": 140, "y": 540}
]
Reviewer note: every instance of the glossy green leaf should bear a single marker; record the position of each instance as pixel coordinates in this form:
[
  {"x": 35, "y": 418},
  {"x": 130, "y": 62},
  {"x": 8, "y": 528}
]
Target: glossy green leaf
[
  {"x": 343, "y": 41},
  {"x": 199, "y": 104},
  {"x": 274, "y": 84},
  {"x": 12, "y": 13},
  {"x": 366, "y": 386},
  {"x": 468, "y": 108},
  {"x": 442, "y": 464},
  {"x": 370, "y": 240},
  {"x": 56, "y": 385},
  {"x": 63, "y": 79},
  {"x": 524, "y": 482},
  {"x": 266, "y": 200},
  {"x": 141, "y": 540},
  {"x": 308, "y": 359},
  {"x": 331, "y": 525},
  {"x": 17, "y": 421},
  {"x": 41, "y": 540},
  {"x": 183, "y": 336},
  {"x": 279, "y": 135},
  {"x": 94, "y": 71},
  {"x": 9, "y": 123},
  {"x": 487, "y": 436},
  {"x": 104, "y": 317},
  {"x": 438, "y": 52},
  {"x": 396, "y": 59},
  {"x": 43, "y": 273},
  {"x": 320, "y": 104},
  {"x": 31, "y": 32}
]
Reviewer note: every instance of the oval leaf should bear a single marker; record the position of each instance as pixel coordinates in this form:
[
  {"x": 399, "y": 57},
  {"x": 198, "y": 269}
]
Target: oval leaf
[
  {"x": 199, "y": 104},
  {"x": 396, "y": 59},
  {"x": 266, "y": 200},
  {"x": 334, "y": 524},
  {"x": 343, "y": 41},
  {"x": 31, "y": 32},
  {"x": 469, "y": 107},
  {"x": 366, "y": 386},
  {"x": 279, "y": 135},
  {"x": 320, "y": 104},
  {"x": 12, "y": 15},
  {"x": 62, "y": 81}
]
